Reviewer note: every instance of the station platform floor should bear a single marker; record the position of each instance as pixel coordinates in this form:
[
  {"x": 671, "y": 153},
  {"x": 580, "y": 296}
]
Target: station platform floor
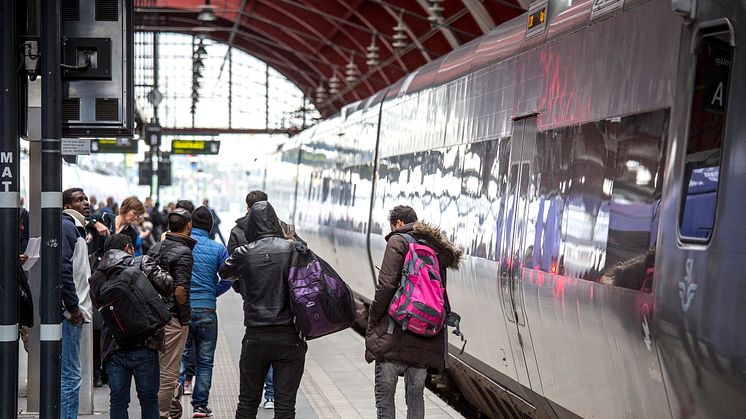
[{"x": 337, "y": 382}]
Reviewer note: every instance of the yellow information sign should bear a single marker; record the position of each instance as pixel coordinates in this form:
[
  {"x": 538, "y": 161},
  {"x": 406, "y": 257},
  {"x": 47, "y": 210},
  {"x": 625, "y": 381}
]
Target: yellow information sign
[{"x": 194, "y": 147}]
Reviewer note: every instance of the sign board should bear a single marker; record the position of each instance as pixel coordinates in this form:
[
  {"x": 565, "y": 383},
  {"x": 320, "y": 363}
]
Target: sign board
[
  {"x": 76, "y": 146},
  {"x": 602, "y": 7},
  {"x": 537, "y": 18},
  {"x": 114, "y": 145},
  {"x": 194, "y": 147}
]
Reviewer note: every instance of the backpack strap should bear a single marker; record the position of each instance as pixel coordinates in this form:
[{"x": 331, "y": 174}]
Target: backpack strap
[{"x": 137, "y": 261}]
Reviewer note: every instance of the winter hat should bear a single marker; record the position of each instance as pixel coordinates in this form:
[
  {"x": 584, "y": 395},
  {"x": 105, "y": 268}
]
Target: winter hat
[{"x": 202, "y": 218}]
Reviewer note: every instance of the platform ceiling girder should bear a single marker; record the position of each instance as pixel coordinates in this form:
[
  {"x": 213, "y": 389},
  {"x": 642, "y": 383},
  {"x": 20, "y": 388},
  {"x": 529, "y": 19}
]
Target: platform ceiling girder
[{"x": 308, "y": 41}]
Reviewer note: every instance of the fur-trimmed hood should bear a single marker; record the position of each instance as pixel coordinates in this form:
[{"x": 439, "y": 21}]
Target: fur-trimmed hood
[{"x": 449, "y": 254}]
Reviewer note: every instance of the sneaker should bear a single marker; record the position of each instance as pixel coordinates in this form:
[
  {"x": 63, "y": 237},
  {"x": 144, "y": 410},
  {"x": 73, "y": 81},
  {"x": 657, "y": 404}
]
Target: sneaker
[
  {"x": 269, "y": 404},
  {"x": 202, "y": 412},
  {"x": 187, "y": 387}
]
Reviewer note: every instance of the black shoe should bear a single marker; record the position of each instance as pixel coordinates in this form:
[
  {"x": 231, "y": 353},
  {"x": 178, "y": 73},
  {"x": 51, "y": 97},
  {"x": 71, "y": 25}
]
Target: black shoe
[{"x": 97, "y": 382}]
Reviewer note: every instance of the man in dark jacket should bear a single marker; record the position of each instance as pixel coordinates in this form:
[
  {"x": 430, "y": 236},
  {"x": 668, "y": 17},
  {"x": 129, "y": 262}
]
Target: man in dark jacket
[
  {"x": 237, "y": 239},
  {"x": 262, "y": 269},
  {"x": 398, "y": 352},
  {"x": 174, "y": 254},
  {"x": 140, "y": 360}
]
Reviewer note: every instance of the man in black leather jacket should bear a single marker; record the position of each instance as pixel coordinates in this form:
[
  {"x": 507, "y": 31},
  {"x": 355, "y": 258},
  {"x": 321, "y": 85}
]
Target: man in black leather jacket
[
  {"x": 261, "y": 268},
  {"x": 174, "y": 254}
]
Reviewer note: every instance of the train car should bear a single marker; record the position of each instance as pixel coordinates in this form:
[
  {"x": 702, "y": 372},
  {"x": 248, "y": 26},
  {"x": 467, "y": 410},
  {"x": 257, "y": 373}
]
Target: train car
[{"x": 586, "y": 157}]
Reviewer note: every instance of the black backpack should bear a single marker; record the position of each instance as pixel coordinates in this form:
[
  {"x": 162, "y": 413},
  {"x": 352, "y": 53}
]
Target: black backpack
[{"x": 130, "y": 306}]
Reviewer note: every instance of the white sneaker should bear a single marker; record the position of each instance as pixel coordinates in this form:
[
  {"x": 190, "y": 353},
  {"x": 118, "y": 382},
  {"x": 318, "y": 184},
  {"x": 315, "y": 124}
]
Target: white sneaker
[{"x": 269, "y": 404}]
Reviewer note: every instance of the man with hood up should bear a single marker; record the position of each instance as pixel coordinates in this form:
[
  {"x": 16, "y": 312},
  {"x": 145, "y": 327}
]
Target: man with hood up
[
  {"x": 141, "y": 360},
  {"x": 75, "y": 296},
  {"x": 395, "y": 351},
  {"x": 237, "y": 239},
  {"x": 261, "y": 268}
]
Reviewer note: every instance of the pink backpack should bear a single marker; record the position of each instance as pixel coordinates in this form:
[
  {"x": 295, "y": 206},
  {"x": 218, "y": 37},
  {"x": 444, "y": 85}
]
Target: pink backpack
[{"x": 419, "y": 303}]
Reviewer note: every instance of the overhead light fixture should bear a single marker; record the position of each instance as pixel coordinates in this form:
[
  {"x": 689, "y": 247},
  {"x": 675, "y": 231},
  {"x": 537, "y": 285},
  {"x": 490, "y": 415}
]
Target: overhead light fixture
[
  {"x": 400, "y": 34},
  {"x": 372, "y": 55},
  {"x": 198, "y": 64},
  {"x": 197, "y": 72},
  {"x": 200, "y": 50},
  {"x": 207, "y": 14},
  {"x": 320, "y": 93},
  {"x": 435, "y": 11},
  {"x": 334, "y": 84},
  {"x": 351, "y": 71}
]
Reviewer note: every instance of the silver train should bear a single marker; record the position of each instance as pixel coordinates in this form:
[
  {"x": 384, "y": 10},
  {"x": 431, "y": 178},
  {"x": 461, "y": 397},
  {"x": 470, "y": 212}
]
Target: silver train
[{"x": 590, "y": 166}]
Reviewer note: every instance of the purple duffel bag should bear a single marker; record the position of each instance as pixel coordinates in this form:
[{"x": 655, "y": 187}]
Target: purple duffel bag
[{"x": 321, "y": 301}]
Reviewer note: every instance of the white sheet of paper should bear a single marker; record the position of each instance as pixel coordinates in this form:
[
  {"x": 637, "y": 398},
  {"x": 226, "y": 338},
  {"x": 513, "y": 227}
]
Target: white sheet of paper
[{"x": 32, "y": 251}]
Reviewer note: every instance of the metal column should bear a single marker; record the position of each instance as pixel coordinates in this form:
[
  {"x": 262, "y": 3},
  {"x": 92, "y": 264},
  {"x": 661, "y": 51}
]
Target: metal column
[
  {"x": 9, "y": 200},
  {"x": 51, "y": 212}
]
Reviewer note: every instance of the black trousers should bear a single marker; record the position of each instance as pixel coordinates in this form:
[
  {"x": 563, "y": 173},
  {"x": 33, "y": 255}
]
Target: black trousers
[{"x": 286, "y": 352}]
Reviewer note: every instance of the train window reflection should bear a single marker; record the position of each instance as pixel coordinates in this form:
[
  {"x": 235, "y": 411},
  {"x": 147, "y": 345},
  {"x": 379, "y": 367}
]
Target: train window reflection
[
  {"x": 598, "y": 196},
  {"x": 706, "y": 132}
]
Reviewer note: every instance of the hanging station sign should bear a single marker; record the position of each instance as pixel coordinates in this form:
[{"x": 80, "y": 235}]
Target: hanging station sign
[{"x": 194, "y": 147}]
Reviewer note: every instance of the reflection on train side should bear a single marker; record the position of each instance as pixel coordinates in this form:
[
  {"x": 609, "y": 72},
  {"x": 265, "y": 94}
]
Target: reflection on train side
[{"x": 592, "y": 194}]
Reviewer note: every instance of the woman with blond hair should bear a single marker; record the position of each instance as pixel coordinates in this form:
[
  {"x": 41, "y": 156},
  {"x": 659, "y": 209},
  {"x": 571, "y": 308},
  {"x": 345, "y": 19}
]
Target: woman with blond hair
[{"x": 129, "y": 211}]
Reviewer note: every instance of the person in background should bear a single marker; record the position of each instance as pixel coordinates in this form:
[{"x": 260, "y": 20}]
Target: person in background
[
  {"x": 25, "y": 300},
  {"x": 24, "y": 215},
  {"x": 129, "y": 212},
  {"x": 397, "y": 352},
  {"x": 139, "y": 361},
  {"x": 215, "y": 222},
  {"x": 75, "y": 296},
  {"x": 185, "y": 204},
  {"x": 109, "y": 208},
  {"x": 262, "y": 268},
  {"x": 203, "y": 326},
  {"x": 174, "y": 254}
]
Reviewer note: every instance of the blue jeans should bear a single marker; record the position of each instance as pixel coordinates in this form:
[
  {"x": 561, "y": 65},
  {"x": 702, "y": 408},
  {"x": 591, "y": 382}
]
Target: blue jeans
[
  {"x": 203, "y": 331},
  {"x": 269, "y": 387},
  {"x": 143, "y": 364},
  {"x": 72, "y": 374}
]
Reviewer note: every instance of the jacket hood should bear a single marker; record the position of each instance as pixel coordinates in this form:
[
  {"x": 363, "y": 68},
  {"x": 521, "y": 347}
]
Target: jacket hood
[
  {"x": 262, "y": 222},
  {"x": 111, "y": 258},
  {"x": 180, "y": 237},
  {"x": 77, "y": 217},
  {"x": 243, "y": 222},
  {"x": 433, "y": 236}
]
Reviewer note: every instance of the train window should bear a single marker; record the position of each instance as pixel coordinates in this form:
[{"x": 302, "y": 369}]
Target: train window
[{"x": 705, "y": 138}]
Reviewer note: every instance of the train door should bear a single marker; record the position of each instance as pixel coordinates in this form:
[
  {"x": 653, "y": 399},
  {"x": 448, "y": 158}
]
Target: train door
[{"x": 518, "y": 197}]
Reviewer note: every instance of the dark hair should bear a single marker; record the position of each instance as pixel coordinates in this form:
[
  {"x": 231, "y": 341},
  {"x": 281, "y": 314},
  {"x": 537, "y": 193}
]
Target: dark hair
[
  {"x": 178, "y": 220},
  {"x": 255, "y": 196},
  {"x": 67, "y": 196},
  {"x": 404, "y": 213},
  {"x": 186, "y": 204},
  {"x": 117, "y": 241}
]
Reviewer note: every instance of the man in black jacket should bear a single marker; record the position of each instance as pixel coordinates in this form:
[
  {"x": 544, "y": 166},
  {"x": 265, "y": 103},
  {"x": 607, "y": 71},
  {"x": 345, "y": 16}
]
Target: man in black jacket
[
  {"x": 140, "y": 360},
  {"x": 174, "y": 254},
  {"x": 262, "y": 269}
]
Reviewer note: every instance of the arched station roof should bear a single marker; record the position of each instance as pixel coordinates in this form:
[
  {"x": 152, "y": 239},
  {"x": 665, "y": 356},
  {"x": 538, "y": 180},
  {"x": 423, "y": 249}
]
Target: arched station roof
[{"x": 310, "y": 41}]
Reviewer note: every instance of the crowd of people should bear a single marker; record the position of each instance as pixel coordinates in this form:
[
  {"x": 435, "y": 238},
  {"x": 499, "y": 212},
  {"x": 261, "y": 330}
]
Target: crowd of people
[{"x": 176, "y": 250}]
